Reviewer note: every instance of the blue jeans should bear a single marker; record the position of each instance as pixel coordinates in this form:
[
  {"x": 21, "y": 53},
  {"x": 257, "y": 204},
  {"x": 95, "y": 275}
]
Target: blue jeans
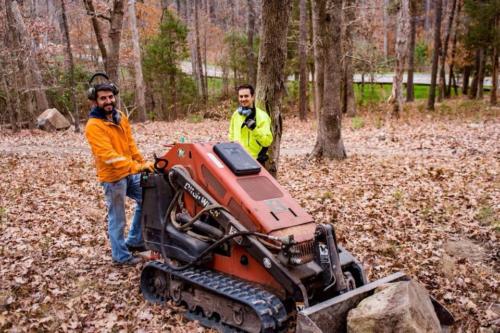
[{"x": 115, "y": 194}]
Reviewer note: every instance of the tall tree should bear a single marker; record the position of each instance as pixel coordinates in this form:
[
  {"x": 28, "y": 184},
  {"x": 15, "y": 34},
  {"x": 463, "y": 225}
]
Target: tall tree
[
  {"x": 475, "y": 78},
  {"x": 111, "y": 53},
  {"x": 318, "y": 10},
  {"x": 71, "y": 66},
  {"x": 271, "y": 69},
  {"x": 401, "y": 53},
  {"x": 303, "y": 76},
  {"x": 140, "y": 95},
  {"x": 27, "y": 44},
  {"x": 348, "y": 100},
  {"x": 494, "y": 76},
  {"x": 427, "y": 20},
  {"x": 386, "y": 29},
  {"x": 410, "y": 96},
  {"x": 329, "y": 142},
  {"x": 480, "y": 72},
  {"x": 252, "y": 66},
  {"x": 494, "y": 60},
  {"x": 451, "y": 77},
  {"x": 20, "y": 53},
  {"x": 435, "y": 53},
  {"x": 442, "y": 75},
  {"x": 196, "y": 51}
]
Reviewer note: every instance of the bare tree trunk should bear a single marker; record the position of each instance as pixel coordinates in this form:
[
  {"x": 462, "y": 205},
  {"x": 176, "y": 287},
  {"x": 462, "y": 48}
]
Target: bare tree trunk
[
  {"x": 303, "y": 78},
  {"x": 27, "y": 43},
  {"x": 442, "y": 74},
  {"x": 386, "y": 29},
  {"x": 205, "y": 61},
  {"x": 110, "y": 54},
  {"x": 8, "y": 101},
  {"x": 435, "y": 54},
  {"x": 115, "y": 33},
  {"x": 427, "y": 22},
  {"x": 454, "y": 52},
  {"x": 318, "y": 11},
  {"x": 480, "y": 75},
  {"x": 140, "y": 95},
  {"x": 89, "y": 5},
  {"x": 271, "y": 70},
  {"x": 310, "y": 64},
  {"x": 465, "y": 80},
  {"x": 69, "y": 56},
  {"x": 349, "y": 100},
  {"x": 252, "y": 66},
  {"x": 329, "y": 142},
  {"x": 494, "y": 77},
  {"x": 475, "y": 78},
  {"x": 198, "y": 52},
  {"x": 401, "y": 53},
  {"x": 410, "y": 96}
]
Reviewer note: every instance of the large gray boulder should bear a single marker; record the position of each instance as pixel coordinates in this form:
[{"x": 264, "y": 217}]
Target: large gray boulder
[
  {"x": 403, "y": 307},
  {"x": 51, "y": 120}
]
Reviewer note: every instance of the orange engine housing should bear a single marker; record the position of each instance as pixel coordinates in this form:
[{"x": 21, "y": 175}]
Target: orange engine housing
[{"x": 257, "y": 201}]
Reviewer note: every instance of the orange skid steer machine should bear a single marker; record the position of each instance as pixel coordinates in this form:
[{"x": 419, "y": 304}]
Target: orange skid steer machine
[{"x": 239, "y": 252}]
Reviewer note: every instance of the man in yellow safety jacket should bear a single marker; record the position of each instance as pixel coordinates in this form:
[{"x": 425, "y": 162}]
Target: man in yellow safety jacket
[{"x": 251, "y": 126}]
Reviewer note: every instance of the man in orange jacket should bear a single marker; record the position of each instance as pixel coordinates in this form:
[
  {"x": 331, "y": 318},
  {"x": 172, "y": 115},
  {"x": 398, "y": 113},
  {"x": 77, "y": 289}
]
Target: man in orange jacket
[{"x": 118, "y": 163}]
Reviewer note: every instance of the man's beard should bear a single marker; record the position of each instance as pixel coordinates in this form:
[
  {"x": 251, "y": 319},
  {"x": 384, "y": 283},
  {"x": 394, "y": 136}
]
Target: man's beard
[{"x": 108, "y": 111}]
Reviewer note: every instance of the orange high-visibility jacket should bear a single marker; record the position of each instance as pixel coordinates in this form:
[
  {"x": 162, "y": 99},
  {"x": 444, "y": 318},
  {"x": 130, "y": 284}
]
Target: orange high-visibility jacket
[{"x": 115, "y": 152}]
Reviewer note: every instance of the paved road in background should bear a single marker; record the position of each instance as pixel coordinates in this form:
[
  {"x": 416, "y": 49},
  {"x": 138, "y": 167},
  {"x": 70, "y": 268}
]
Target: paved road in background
[{"x": 418, "y": 78}]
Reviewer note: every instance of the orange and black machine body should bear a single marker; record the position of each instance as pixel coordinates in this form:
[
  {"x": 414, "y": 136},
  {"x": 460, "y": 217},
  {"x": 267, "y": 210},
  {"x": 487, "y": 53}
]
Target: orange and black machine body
[
  {"x": 207, "y": 174},
  {"x": 239, "y": 251}
]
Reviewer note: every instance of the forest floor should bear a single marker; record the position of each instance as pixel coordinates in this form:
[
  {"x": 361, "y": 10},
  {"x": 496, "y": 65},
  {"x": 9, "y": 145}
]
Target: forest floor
[{"x": 420, "y": 194}]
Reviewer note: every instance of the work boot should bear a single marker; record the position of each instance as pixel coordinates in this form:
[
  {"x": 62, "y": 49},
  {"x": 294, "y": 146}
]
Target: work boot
[
  {"x": 132, "y": 261},
  {"x": 140, "y": 248}
]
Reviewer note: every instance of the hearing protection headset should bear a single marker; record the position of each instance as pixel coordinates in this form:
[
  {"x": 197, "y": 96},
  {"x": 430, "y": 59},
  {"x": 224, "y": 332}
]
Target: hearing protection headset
[{"x": 94, "y": 88}]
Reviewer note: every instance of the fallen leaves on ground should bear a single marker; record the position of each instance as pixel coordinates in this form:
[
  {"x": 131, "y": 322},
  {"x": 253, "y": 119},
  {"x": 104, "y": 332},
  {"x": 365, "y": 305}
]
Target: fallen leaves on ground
[{"x": 419, "y": 195}]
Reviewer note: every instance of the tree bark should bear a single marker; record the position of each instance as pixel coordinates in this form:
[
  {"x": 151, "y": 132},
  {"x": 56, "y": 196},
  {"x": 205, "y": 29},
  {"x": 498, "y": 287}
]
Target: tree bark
[
  {"x": 410, "y": 96},
  {"x": 71, "y": 63},
  {"x": 110, "y": 54},
  {"x": 348, "y": 100},
  {"x": 303, "y": 78},
  {"x": 89, "y": 5},
  {"x": 27, "y": 43},
  {"x": 401, "y": 53},
  {"x": 480, "y": 75},
  {"x": 454, "y": 52},
  {"x": 329, "y": 142},
  {"x": 442, "y": 75},
  {"x": 318, "y": 11},
  {"x": 494, "y": 77},
  {"x": 386, "y": 29},
  {"x": 204, "y": 93},
  {"x": 427, "y": 21},
  {"x": 271, "y": 70},
  {"x": 435, "y": 54},
  {"x": 140, "y": 95},
  {"x": 252, "y": 66},
  {"x": 115, "y": 33},
  {"x": 465, "y": 80}
]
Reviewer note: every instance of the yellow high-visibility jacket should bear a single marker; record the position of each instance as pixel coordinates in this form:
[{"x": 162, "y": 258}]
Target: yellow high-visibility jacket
[
  {"x": 252, "y": 140},
  {"x": 115, "y": 152}
]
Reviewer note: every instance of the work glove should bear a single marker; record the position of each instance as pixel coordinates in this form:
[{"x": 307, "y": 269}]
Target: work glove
[
  {"x": 250, "y": 123},
  {"x": 147, "y": 167}
]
